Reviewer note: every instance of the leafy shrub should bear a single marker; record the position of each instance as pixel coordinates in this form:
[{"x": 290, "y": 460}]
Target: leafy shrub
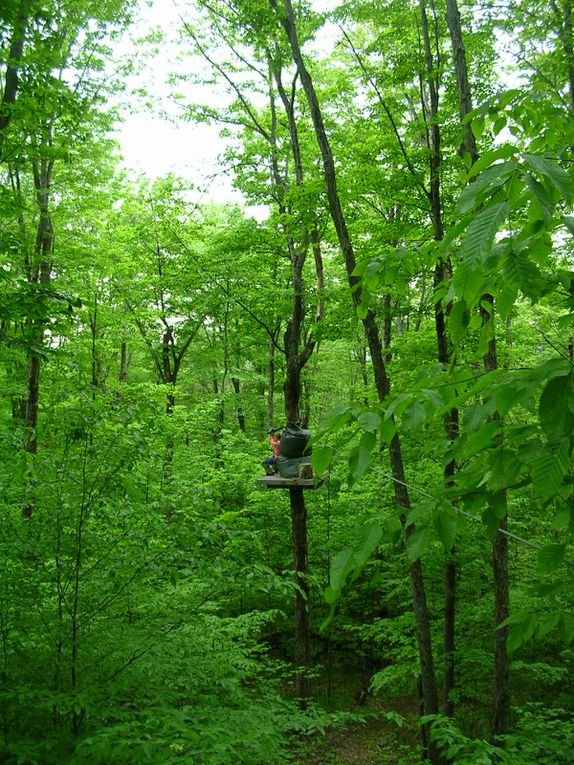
[{"x": 543, "y": 735}]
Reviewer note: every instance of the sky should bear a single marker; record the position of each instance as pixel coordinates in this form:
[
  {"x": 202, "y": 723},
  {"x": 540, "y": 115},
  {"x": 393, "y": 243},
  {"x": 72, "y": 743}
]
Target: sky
[
  {"x": 156, "y": 145},
  {"x": 154, "y": 139}
]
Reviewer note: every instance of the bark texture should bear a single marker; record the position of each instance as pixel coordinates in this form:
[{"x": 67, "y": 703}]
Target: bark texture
[
  {"x": 443, "y": 270},
  {"x": 500, "y": 718},
  {"x": 11, "y": 78},
  {"x": 430, "y": 699},
  {"x": 300, "y": 564}
]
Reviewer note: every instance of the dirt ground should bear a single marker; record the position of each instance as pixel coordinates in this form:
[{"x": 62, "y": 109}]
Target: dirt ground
[{"x": 387, "y": 736}]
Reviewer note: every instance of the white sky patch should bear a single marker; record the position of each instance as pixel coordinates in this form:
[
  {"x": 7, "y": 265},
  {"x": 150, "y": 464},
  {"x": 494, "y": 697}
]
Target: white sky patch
[{"x": 154, "y": 137}]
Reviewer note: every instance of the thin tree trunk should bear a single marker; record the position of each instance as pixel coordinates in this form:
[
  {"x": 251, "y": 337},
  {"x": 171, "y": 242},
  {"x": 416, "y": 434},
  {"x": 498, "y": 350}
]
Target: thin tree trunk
[
  {"x": 500, "y": 718},
  {"x": 238, "y": 408},
  {"x": 430, "y": 699},
  {"x": 387, "y": 324},
  {"x": 124, "y": 362},
  {"x": 443, "y": 270},
  {"x": 300, "y": 564},
  {"x": 271, "y": 385},
  {"x": 11, "y": 79},
  {"x": 40, "y": 272},
  {"x": 297, "y": 354},
  {"x": 468, "y": 145},
  {"x": 360, "y": 353}
]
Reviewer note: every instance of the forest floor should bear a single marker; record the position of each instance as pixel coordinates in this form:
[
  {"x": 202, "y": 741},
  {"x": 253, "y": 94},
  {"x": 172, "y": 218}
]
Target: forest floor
[{"x": 383, "y": 737}]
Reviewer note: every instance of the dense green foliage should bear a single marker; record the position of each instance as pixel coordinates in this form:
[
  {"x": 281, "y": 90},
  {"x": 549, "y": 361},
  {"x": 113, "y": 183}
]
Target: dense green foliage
[{"x": 146, "y": 579}]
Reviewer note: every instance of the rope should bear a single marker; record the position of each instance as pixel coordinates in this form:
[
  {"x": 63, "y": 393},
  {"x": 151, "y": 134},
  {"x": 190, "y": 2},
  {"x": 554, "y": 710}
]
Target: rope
[{"x": 459, "y": 510}]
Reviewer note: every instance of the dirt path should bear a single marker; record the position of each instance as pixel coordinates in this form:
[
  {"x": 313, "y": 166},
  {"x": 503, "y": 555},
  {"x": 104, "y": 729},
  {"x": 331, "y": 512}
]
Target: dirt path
[{"x": 386, "y": 737}]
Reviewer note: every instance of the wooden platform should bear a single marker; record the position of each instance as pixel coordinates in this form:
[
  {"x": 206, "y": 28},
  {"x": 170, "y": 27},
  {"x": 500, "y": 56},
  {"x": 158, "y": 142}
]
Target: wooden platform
[{"x": 278, "y": 482}]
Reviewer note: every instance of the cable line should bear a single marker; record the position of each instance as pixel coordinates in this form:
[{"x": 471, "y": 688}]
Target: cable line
[{"x": 459, "y": 510}]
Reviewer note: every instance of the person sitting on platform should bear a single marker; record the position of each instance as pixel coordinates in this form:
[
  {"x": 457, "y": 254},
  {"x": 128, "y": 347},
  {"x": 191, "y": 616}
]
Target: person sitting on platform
[{"x": 270, "y": 463}]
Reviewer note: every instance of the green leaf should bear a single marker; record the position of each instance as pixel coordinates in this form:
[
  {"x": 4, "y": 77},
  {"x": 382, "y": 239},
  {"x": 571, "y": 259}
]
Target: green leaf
[
  {"x": 388, "y": 430},
  {"x": 359, "y": 461},
  {"x": 336, "y": 417},
  {"x": 499, "y": 124},
  {"x": 352, "y": 560},
  {"x": 479, "y": 440},
  {"x": 341, "y": 566},
  {"x": 467, "y": 282},
  {"x": 549, "y": 469},
  {"x": 504, "y": 471},
  {"x": 329, "y": 618},
  {"x": 458, "y": 320},
  {"x": 550, "y": 558},
  {"x": 543, "y": 202},
  {"x": 368, "y": 540},
  {"x": 521, "y": 631},
  {"x": 369, "y": 420},
  {"x": 331, "y": 596},
  {"x": 398, "y": 404},
  {"x": 393, "y": 529},
  {"x": 414, "y": 416},
  {"x": 548, "y": 623},
  {"x": 554, "y": 408},
  {"x": 521, "y": 273},
  {"x": 509, "y": 394},
  {"x": 477, "y": 243},
  {"x": 489, "y": 158},
  {"x": 368, "y": 440},
  {"x": 321, "y": 459},
  {"x": 477, "y": 126},
  {"x": 485, "y": 185},
  {"x": 418, "y": 510},
  {"x": 417, "y": 543},
  {"x": 557, "y": 176},
  {"x": 499, "y": 504},
  {"x": 491, "y": 520},
  {"x": 445, "y": 526}
]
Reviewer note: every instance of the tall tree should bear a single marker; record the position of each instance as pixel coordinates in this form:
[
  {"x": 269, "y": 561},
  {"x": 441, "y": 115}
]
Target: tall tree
[
  {"x": 501, "y": 698},
  {"x": 429, "y": 693}
]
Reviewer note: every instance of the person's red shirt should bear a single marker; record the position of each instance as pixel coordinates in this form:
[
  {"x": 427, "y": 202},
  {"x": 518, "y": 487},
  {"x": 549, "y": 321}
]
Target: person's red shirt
[{"x": 275, "y": 442}]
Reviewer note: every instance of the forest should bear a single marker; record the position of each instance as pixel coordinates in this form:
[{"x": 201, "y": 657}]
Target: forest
[{"x": 398, "y": 281}]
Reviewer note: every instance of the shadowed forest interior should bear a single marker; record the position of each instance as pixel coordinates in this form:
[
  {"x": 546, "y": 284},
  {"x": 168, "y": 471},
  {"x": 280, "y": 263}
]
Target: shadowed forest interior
[{"x": 383, "y": 321}]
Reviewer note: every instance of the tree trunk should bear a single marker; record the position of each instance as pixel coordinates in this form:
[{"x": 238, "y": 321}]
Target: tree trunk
[
  {"x": 387, "y": 324},
  {"x": 360, "y": 353},
  {"x": 443, "y": 270},
  {"x": 468, "y": 145},
  {"x": 11, "y": 80},
  {"x": 124, "y": 362},
  {"x": 300, "y": 564},
  {"x": 500, "y": 718},
  {"x": 40, "y": 272},
  {"x": 271, "y": 385},
  {"x": 238, "y": 408},
  {"x": 430, "y": 699}
]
